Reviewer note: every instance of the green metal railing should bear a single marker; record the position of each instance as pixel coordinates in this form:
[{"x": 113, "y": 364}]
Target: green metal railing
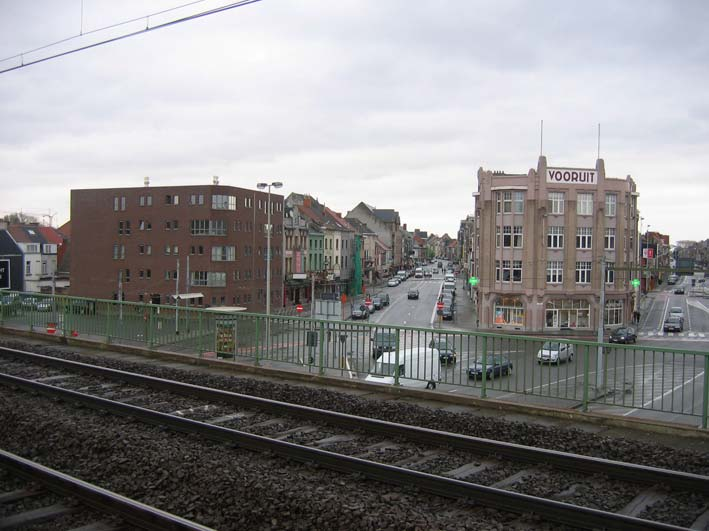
[{"x": 636, "y": 377}]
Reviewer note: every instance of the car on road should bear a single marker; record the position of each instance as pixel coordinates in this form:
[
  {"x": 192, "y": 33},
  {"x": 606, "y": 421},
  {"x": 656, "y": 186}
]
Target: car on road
[
  {"x": 623, "y": 335},
  {"x": 360, "y": 311},
  {"x": 383, "y": 341},
  {"x": 427, "y": 273},
  {"x": 377, "y": 301},
  {"x": 448, "y": 312},
  {"x": 555, "y": 352},
  {"x": 413, "y": 294},
  {"x": 446, "y": 350},
  {"x": 679, "y": 291},
  {"x": 44, "y": 305},
  {"x": 29, "y": 303},
  {"x": 384, "y": 297},
  {"x": 393, "y": 282},
  {"x": 495, "y": 366},
  {"x": 677, "y": 311},
  {"x": 673, "y": 323}
]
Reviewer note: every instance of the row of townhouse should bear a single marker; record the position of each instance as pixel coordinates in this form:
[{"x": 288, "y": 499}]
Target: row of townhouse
[
  {"x": 208, "y": 245},
  {"x": 32, "y": 258}
]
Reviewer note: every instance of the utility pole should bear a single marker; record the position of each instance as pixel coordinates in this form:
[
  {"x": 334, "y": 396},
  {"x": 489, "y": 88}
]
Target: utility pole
[
  {"x": 601, "y": 314},
  {"x": 120, "y": 294},
  {"x": 177, "y": 299}
]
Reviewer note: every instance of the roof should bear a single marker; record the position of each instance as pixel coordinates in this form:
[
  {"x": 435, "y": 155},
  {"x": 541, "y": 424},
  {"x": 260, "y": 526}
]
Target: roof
[
  {"x": 65, "y": 229},
  {"x": 26, "y": 233},
  {"x": 387, "y": 215},
  {"x": 51, "y": 235},
  {"x": 359, "y": 226}
]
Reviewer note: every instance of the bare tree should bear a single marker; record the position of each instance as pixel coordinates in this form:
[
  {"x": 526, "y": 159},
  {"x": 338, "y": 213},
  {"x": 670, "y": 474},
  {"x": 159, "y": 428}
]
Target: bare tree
[{"x": 20, "y": 218}]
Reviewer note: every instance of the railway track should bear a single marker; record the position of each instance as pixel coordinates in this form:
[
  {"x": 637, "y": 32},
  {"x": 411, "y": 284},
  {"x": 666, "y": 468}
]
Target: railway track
[
  {"x": 34, "y": 496},
  {"x": 568, "y": 489}
]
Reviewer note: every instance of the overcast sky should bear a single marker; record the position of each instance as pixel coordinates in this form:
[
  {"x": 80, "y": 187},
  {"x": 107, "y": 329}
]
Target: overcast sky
[{"x": 393, "y": 102}]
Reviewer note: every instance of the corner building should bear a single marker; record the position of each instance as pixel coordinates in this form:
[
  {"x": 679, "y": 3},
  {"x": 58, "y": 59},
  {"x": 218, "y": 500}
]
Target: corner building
[
  {"x": 208, "y": 241},
  {"x": 540, "y": 239}
]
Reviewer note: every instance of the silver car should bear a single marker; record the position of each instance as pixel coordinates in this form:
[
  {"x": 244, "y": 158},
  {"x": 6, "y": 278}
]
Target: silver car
[{"x": 555, "y": 352}]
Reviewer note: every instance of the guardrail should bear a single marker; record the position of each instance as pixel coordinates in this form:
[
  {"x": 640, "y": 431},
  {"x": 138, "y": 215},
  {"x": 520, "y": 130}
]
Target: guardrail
[{"x": 637, "y": 377}]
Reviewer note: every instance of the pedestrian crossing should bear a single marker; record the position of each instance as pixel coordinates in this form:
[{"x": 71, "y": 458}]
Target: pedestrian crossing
[{"x": 687, "y": 336}]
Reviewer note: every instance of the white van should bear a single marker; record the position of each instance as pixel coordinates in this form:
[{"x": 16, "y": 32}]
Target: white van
[
  {"x": 418, "y": 272},
  {"x": 418, "y": 367},
  {"x": 450, "y": 277}
]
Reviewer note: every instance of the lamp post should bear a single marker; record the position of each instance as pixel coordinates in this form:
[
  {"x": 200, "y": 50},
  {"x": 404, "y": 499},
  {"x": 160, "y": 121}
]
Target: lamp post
[
  {"x": 647, "y": 258},
  {"x": 262, "y": 186}
]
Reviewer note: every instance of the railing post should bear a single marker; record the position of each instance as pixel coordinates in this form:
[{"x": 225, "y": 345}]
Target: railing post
[
  {"x": 586, "y": 364},
  {"x": 200, "y": 344},
  {"x": 396, "y": 360},
  {"x": 108, "y": 323},
  {"x": 483, "y": 374},
  {"x": 151, "y": 327},
  {"x": 321, "y": 349},
  {"x": 705, "y": 401},
  {"x": 258, "y": 343}
]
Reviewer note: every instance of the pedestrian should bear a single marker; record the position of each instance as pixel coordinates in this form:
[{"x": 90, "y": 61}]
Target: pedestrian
[{"x": 636, "y": 316}]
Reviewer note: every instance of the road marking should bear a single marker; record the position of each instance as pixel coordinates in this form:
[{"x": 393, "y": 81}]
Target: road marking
[{"x": 662, "y": 395}]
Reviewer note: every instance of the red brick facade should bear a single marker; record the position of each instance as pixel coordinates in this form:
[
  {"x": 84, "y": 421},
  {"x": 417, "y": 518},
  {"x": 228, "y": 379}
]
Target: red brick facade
[{"x": 142, "y": 233}]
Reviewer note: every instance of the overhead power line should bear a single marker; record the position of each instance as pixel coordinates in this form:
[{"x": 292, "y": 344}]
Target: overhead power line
[{"x": 188, "y": 18}]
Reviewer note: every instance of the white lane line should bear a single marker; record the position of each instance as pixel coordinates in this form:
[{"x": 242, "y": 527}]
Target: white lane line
[
  {"x": 664, "y": 313},
  {"x": 663, "y": 395}
]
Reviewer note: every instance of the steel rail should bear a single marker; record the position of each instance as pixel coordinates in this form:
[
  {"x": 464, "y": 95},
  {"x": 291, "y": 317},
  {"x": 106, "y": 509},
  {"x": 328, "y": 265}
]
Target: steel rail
[
  {"x": 446, "y": 487},
  {"x": 630, "y": 472},
  {"x": 105, "y": 501}
]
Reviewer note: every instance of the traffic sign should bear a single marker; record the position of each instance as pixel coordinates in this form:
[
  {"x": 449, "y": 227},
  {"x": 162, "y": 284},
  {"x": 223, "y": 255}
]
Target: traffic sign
[
  {"x": 299, "y": 308},
  {"x": 439, "y": 305},
  {"x": 473, "y": 281},
  {"x": 635, "y": 282}
]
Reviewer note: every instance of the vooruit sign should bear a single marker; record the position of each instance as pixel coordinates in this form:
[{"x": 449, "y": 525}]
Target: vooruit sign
[
  {"x": 571, "y": 176},
  {"x": 4, "y": 274}
]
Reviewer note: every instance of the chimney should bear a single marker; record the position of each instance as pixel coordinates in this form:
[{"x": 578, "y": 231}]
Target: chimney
[
  {"x": 215, "y": 180},
  {"x": 306, "y": 201},
  {"x": 404, "y": 226}
]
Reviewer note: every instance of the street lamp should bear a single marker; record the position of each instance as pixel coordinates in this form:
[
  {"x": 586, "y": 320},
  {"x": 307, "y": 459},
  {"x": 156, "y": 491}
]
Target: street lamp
[
  {"x": 647, "y": 258},
  {"x": 262, "y": 186}
]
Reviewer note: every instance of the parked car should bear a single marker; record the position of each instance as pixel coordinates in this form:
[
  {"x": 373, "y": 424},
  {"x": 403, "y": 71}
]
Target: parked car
[
  {"x": 44, "y": 305},
  {"x": 446, "y": 350},
  {"x": 383, "y": 342},
  {"x": 679, "y": 291},
  {"x": 427, "y": 273},
  {"x": 377, "y": 301},
  {"x": 448, "y": 313},
  {"x": 495, "y": 366},
  {"x": 360, "y": 311},
  {"x": 413, "y": 294},
  {"x": 555, "y": 352},
  {"x": 673, "y": 323},
  {"x": 623, "y": 335},
  {"x": 9, "y": 304},
  {"x": 393, "y": 282},
  {"x": 369, "y": 303},
  {"x": 29, "y": 303},
  {"x": 384, "y": 297}
]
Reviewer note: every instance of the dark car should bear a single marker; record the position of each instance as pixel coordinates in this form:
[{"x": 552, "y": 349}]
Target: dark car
[
  {"x": 383, "y": 342},
  {"x": 413, "y": 294},
  {"x": 495, "y": 366},
  {"x": 385, "y": 298},
  {"x": 679, "y": 291},
  {"x": 447, "y": 312},
  {"x": 360, "y": 312},
  {"x": 673, "y": 324},
  {"x": 623, "y": 335},
  {"x": 377, "y": 301},
  {"x": 446, "y": 350}
]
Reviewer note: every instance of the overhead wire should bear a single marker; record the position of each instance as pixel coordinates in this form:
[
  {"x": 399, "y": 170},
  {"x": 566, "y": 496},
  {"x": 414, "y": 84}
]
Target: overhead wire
[{"x": 188, "y": 18}]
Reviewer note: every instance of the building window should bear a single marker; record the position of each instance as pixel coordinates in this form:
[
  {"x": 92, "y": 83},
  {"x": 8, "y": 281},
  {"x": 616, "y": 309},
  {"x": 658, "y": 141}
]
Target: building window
[
  {"x": 224, "y": 202},
  {"x": 504, "y": 202},
  {"x": 509, "y": 311},
  {"x": 498, "y": 236},
  {"x": 207, "y": 227},
  {"x": 583, "y": 272},
  {"x": 517, "y": 238},
  {"x": 506, "y": 270},
  {"x": 584, "y": 204},
  {"x": 518, "y": 205},
  {"x": 613, "y": 314},
  {"x": 568, "y": 313},
  {"x": 148, "y": 274},
  {"x": 555, "y": 271},
  {"x": 610, "y": 272},
  {"x": 28, "y": 267},
  {"x": 507, "y": 236},
  {"x": 174, "y": 249},
  {"x": 224, "y": 253},
  {"x": 196, "y": 199},
  {"x": 145, "y": 200},
  {"x": 555, "y": 238},
  {"x": 497, "y": 270},
  {"x": 116, "y": 203},
  {"x": 609, "y": 240},
  {"x": 171, "y": 199},
  {"x": 556, "y": 202},
  {"x": 611, "y": 203},
  {"x": 583, "y": 237},
  {"x": 517, "y": 271},
  {"x": 141, "y": 249}
]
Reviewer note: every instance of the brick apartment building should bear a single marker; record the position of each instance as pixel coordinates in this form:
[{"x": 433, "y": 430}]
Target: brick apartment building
[
  {"x": 539, "y": 241},
  {"x": 208, "y": 241}
]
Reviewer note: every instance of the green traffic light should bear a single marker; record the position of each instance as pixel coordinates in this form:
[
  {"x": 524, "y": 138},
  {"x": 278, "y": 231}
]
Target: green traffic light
[
  {"x": 635, "y": 282},
  {"x": 473, "y": 281}
]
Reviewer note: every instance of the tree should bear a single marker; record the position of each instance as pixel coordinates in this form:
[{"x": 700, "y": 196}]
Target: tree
[{"x": 20, "y": 218}]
